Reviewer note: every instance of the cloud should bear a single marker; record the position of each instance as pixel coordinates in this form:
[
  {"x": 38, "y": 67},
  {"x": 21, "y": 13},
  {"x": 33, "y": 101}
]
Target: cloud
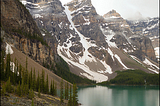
[{"x": 127, "y": 8}]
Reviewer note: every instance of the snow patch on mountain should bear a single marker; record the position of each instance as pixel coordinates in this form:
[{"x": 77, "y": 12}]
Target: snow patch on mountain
[
  {"x": 109, "y": 34},
  {"x": 89, "y": 74},
  {"x": 87, "y": 21},
  {"x": 60, "y": 25},
  {"x": 81, "y": 9},
  {"x": 108, "y": 68},
  {"x": 157, "y": 52},
  {"x": 43, "y": 34},
  {"x": 146, "y": 61},
  {"x": 136, "y": 59},
  {"x": 23, "y": 2},
  {"x": 9, "y": 49},
  {"x": 13, "y": 66},
  {"x": 37, "y": 16},
  {"x": 111, "y": 53},
  {"x": 120, "y": 61},
  {"x": 150, "y": 27},
  {"x": 84, "y": 42},
  {"x": 74, "y": 59}
]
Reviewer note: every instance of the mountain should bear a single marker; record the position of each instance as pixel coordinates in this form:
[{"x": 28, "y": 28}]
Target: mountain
[
  {"x": 112, "y": 14},
  {"x": 149, "y": 28},
  {"x": 21, "y": 31},
  {"x": 93, "y": 46},
  {"x": 22, "y": 38}
]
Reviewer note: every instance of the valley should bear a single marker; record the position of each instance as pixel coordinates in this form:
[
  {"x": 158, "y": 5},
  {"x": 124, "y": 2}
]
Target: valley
[{"x": 72, "y": 44}]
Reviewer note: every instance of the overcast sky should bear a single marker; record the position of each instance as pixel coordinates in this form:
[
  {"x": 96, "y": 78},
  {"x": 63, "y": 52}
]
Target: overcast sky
[{"x": 127, "y": 8}]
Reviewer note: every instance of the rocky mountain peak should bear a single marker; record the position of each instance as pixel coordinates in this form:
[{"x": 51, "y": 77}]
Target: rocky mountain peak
[
  {"x": 41, "y": 8},
  {"x": 94, "y": 48},
  {"x": 112, "y": 14}
]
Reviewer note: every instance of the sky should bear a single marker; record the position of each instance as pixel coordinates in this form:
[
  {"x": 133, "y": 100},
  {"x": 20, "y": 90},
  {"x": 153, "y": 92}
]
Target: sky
[{"x": 128, "y": 9}]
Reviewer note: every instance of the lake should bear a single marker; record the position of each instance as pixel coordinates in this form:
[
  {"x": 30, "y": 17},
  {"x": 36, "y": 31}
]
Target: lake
[{"x": 118, "y": 95}]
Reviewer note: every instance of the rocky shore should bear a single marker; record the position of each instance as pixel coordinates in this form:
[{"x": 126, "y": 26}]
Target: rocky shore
[{"x": 10, "y": 99}]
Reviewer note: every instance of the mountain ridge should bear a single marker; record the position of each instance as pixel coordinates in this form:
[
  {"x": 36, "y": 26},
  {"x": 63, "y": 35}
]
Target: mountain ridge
[{"x": 85, "y": 40}]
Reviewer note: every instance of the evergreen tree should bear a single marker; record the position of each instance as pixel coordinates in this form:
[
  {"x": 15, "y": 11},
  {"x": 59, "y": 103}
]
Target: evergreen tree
[
  {"x": 55, "y": 89},
  {"x": 30, "y": 79},
  {"x": 46, "y": 85},
  {"x": 39, "y": 92},
  {"x": 26, "y": 73},
  {"x": 31, "y": 94},
  {"x": 3, "y": 91},
  {"x": 26, "y": 89},
  {"x": 32, "y": 102},
  {"x": 19, "y": 89},
  {"x": 70, "y": 102},
  {"x": 26, "y": 63},
  {"x": 66, "y": 90},
  {"x": 2, "y": 65},
  {"x": 2, "y": 69},
  {"x": 13, "y": 77},
  {"x": 17, "y": 70},
  {"x": 1, "y": 59},
  {"x": 42, "y": 85},
  {"x": 22, "y": 84},
  {"x": 23, "y": 81},
  {"x": 75, "y": 96},
  {"x": 13, "y": 74},
  {"x": 61, "y": 92},
  {"x": 37, "y": 82},
  {"x": 34, "y": 80},
  {"x": 51, "y": 88},
  {"x": 8, "y": 70},
  {"x": 20, "y": 73},
  {"x": 8, "y": 86}
]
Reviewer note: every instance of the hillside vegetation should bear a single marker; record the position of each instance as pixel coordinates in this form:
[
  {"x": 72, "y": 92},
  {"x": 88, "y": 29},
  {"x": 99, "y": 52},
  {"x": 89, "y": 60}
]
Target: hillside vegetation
[
  {"x": 64, "y": 72},
  {"x": 17, "y": 80},
  {"x": 133, "y": 77}
]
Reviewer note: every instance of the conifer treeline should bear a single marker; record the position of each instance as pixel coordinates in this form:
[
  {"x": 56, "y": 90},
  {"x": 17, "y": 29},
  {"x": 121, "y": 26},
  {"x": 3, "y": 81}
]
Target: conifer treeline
[{"x": 26, "y": 82}]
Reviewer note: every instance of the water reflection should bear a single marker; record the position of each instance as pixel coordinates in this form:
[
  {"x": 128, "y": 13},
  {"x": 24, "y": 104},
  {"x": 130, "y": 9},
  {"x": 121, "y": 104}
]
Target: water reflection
[{"x": 118, "y": 96}]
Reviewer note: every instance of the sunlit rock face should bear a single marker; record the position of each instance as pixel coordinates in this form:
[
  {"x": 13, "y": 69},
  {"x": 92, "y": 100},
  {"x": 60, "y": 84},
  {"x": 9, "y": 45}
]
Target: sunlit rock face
[
  {"x": 93, "y": 46},
  {"x": 19, "y": 30}
]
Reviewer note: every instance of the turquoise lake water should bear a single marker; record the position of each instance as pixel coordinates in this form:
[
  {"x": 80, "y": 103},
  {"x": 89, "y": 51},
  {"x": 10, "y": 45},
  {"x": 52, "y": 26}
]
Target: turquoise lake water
[{"x": 119, "y": 96}]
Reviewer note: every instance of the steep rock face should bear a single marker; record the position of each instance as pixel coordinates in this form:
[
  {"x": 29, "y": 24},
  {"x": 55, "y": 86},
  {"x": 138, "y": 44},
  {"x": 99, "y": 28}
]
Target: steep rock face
[
  {"x": 93, "y": 46},
  {"x": 21, "y": 31},
  {"x": 51, "y": 20},
  {"x": 144, "y": 45},
  {"x": 105, "y": 34},
  {"x": 85, "y": 20},
  {"x": 149, "y": 28},
  {"x": 15, "y": 18},
  {"x": 43, "y": 6},
  {"x": 127, "y": 40}
]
